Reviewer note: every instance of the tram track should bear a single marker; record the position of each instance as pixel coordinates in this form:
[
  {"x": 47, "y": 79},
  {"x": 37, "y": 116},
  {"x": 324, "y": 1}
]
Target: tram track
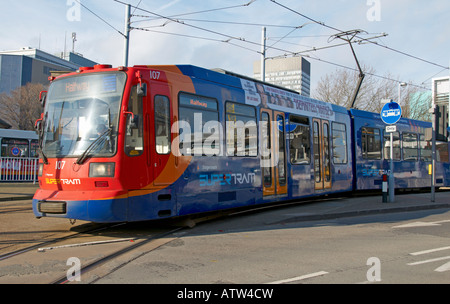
[
  {"x": 39, "y": 253},
  {"x": 49, "y": 265},
  {"x": 188, "y": 222},
  {"x": 56, "y": 240},
  {"x": 88, "y": 268},
  {"x": 16, "y": 210},
  {"x": 31, "y": 265}
]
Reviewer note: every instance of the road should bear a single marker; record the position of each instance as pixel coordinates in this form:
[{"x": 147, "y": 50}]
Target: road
[
  {"x": 334, "y": 241},
  {"x": 407, "y": 248}
]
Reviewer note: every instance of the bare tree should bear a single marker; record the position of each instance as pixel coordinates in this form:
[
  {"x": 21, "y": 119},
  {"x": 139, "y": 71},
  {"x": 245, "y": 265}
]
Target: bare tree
[
  {"x": 21, "y": 108},
  {"x": 338, "y": 88}
]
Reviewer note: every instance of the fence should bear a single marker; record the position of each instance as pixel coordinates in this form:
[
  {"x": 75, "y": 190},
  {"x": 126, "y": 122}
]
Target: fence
[{"x": 15, "y": 169}]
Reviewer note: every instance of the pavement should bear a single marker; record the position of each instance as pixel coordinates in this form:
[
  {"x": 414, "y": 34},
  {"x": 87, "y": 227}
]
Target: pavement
[
  {"x": 310, "y": 210},
  {"x": 361, "y": 205},
  {"x": 17, "y": 191}
]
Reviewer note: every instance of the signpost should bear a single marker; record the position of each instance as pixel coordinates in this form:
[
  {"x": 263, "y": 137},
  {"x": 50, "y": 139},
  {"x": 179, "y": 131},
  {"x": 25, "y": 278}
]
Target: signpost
[{"x": 390, "y": 115}]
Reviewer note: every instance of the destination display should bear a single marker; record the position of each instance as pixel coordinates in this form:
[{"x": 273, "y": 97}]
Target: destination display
[{"x": 258, "y": 94}]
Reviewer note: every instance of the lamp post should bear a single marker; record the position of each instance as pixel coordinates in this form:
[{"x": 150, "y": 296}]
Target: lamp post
[{"x": 400, "y": 85}]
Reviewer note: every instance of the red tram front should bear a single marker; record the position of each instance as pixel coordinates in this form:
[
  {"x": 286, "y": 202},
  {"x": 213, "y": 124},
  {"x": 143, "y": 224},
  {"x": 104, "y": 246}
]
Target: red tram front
[{"x": 95, "y": 132}]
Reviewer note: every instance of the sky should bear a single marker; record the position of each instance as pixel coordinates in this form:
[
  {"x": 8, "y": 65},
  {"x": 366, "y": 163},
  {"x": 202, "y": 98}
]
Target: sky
[{"x": 227, "y": 34}]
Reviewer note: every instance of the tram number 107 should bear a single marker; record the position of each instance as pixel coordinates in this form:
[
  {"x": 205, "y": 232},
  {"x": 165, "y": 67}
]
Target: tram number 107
[
  {"x": 59, "y": 165},
  {"x": 155, "y": 75}
]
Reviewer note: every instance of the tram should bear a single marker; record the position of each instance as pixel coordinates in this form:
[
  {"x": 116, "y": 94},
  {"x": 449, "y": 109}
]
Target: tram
[
  {"x": 18, "y": 155},
  {"x": 150, "y": 142}
]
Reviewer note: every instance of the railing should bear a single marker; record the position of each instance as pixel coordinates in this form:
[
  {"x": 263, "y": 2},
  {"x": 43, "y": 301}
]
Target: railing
[{"x": 18, "y": 169}]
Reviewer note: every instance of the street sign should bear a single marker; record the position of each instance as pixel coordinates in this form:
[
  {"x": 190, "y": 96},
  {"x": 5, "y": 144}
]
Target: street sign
[
  {"x": 15, "y": 151},
  {"x": 390, "y": 129},
  {"x": 391, "y": 113}
]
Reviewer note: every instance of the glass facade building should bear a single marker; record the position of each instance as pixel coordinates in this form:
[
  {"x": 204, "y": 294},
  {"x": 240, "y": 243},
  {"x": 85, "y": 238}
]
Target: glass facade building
[{"x": 292, "y": 73}]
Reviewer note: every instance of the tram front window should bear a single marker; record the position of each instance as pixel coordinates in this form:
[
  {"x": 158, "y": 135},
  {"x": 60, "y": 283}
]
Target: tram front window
[{"x": 78, "y": 111}]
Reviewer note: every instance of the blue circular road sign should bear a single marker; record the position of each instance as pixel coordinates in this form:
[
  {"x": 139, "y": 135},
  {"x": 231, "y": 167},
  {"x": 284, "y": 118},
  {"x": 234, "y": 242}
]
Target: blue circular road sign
[
  {"x": 391, "y": 113},
  {"x": 15, "y": 151}
]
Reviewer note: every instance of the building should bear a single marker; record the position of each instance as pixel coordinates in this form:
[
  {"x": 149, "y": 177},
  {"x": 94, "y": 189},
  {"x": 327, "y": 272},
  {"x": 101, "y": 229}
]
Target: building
[
  {"x": 441, "y": 97},
  {"x": 19, "y": 67},
  {"x": 441, "y": 90},
  {"x": 293, "y": 73}
]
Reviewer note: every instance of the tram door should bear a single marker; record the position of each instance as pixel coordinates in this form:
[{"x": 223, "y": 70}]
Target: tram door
[
  {"x": 160, "y": 135},
  {"x": 322, "y": 154},
  {"x": 273, "y": 153}
]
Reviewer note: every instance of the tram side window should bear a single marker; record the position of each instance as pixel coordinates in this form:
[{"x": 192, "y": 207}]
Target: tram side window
[
  {"x": 14, "y": 147},
  {"x": 425, "y": 148},
  {"x": 425, "y": 143},
  {"x": 241, "y": 131},
  {"x": 199, "y": 125},
  {"x": 162, "y": 124},
  {"x": 300, "y": 140},
  {"x": 265, "y": 149},
  {"x": 134, "y": 143},
  {"x": 442, "y": 151},
  {"x": 281, "y": 150},
  {"x": 371, "y": 143},
  {"x": 397, "y": 153},
  {"x": 340, "y": 155},
  {"x": 410, "y": 147}
]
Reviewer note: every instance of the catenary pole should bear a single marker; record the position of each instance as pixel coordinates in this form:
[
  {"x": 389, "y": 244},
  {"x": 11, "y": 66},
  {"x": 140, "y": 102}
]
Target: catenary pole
[
  {"x": 263, "y": 54},
  {"x": 127, "y": 34}
]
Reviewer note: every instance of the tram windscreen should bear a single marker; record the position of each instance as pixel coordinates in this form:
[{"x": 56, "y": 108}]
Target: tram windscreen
[{"x": 81, "y": 109}]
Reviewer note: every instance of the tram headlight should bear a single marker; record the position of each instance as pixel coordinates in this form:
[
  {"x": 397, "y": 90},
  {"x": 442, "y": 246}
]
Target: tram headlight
[
  {"x": 41, "y": 169},
  {"x": 101, "y": 169}
]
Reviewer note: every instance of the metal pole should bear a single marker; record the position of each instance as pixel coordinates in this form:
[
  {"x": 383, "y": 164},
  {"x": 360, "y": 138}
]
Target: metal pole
[
  {"x": 127, "y": 34},
  {"x": 433, "y": 153},
  {"x": 263, "y": 54},
  {"x": 391, "y": 174},
  {"x": 361, "y": 77}
]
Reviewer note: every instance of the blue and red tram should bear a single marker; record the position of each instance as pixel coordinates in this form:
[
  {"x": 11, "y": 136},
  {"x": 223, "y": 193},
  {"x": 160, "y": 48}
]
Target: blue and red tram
[
  {"x": 150, "y": 142},
  {"x": 412, "y": 153}
]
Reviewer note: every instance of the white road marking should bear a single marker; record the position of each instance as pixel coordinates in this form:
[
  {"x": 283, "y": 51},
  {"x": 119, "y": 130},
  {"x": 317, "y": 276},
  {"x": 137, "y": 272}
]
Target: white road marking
[
  {"x": 307, "y": 276},
  {"x": 443, "y": 268},
  {"x": 86, "y": 244},
  {"x": 422, "y": 224},
  {"x": 429, "y": 261},
  {"x": 430, "y": 251}
]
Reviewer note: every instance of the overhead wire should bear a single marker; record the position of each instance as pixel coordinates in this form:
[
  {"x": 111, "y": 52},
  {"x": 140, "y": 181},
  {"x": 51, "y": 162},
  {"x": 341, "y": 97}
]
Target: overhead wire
[
  {"x": 197, "y": 12},
  {"x": 136, "y": 7},
  {"x": 231, "y": 38},
  {"x": 373, "y": 42},
  {"x": 231, "y": 23},
  {"x": 103, "y": 20},
  {"x": 368, "y": 73},
  {"x": 195, "y": 37}
]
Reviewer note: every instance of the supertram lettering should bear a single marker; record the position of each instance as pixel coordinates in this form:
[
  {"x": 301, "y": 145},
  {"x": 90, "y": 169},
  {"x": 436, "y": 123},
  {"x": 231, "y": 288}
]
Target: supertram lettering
[
  {"x": 62, "y": 181},
  {"x": 226, "y": 179}
]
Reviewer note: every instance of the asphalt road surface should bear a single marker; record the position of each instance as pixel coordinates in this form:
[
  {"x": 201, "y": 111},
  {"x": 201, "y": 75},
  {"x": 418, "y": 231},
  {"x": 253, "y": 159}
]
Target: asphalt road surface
[{"x": 406, "y": 247}]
